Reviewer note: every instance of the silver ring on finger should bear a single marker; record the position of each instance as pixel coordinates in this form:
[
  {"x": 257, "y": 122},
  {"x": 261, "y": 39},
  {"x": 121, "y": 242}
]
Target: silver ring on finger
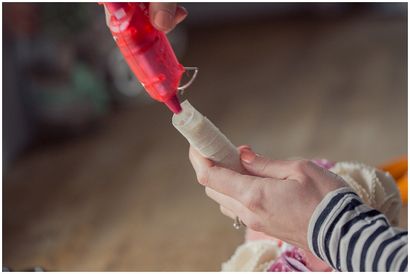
[{"x": 238, "y": 223}]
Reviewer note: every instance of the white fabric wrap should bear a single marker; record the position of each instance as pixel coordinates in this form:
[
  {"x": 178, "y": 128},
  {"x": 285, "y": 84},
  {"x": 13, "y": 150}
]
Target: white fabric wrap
[
  {"x": 205, "y": 137},
  {"x": 253, "y": 256}
]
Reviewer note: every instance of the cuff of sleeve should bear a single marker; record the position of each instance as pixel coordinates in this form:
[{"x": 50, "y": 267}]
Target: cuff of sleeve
[{"x": 318, "y": 218}]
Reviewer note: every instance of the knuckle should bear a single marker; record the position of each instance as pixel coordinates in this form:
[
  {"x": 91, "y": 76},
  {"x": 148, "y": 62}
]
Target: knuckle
[
  {"x": 264, "y": 163},
  {"x": 300, "y": 165},
  {"x": 252, "y": 204},
  {"x": 209, "y": 175},
  {"x": 203, "y": 177},
  {"x": 304, "y": 182},
  {"x": 254, "y": 199}
]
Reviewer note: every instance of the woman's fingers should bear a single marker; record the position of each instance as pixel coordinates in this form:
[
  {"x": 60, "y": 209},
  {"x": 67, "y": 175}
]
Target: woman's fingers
[
  {"x": 227, "y": 212},
  {"x": 244, "y": 147},
  {"x": 199, "y": 163},
  {"x": 248, "y": 190},
  {"x": 165, "y": 16},
  {"x": 180, "y": 14},
  {"x": 220, "y": 179},
  {"x": 229, "y": 206},
  {"x": 264, "y": 167},
  {"x": 227, "y": 202}
]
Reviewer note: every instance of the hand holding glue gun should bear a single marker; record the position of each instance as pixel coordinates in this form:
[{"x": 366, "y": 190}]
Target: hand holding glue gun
[
  {"x": 139, "y": 32},
  {"x": 163, "y": 16}
]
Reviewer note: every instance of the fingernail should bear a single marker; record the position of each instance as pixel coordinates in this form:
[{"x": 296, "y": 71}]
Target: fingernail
[
  {"x": 180, "y": 18},
  {"x": 245, "y": 147},
  {"x": 248, "y": 156},
  {"x": 182, "y": 12},
  {"x": 163, "y": 20}
]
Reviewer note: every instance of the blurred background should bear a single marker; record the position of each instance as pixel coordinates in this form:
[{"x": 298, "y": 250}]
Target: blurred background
[{"x": 96, "y": 178}]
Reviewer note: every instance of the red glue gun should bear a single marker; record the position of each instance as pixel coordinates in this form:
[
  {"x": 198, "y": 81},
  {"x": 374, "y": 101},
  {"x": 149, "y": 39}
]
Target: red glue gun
[{"x": 147, "y": 51}]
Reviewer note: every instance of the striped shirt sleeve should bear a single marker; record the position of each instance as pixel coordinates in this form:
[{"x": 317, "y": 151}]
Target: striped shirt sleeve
[{"x": 350, "y": 236}]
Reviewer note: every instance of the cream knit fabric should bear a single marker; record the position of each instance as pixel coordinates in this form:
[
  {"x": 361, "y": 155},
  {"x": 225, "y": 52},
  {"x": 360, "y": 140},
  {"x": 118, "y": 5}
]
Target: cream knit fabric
[
  {"x": 253, "y": 256},
  {"x": 376, "y": 188}
]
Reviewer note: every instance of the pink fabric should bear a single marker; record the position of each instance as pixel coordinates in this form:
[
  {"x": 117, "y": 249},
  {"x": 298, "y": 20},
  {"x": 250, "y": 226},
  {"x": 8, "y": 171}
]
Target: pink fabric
[
  {"x": 292, "y": 260},
  {"x": 324, "y": 163}
]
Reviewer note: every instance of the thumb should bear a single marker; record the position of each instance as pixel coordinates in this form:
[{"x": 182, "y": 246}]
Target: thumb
[
  {"x": 163, "y": 15},
  {"x": 263, "y": 167}
]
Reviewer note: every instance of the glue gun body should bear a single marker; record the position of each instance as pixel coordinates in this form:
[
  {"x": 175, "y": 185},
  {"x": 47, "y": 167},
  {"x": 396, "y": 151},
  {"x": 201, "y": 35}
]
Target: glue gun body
[{"x": 147, "y": 51}]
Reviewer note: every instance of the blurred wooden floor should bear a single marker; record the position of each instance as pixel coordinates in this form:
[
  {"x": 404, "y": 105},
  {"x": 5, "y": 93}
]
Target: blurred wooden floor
[{"x": 125, "y": 198}]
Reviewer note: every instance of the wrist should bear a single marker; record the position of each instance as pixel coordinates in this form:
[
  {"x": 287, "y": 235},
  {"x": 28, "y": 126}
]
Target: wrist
[{"x": 321, "y": 216}]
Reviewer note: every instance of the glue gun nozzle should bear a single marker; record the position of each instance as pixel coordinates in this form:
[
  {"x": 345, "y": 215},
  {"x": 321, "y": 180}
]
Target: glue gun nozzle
[{"x": 173, "y": 104}]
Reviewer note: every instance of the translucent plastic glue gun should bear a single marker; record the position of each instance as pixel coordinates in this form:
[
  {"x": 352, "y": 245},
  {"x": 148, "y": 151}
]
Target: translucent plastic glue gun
[{"x": 148, "y": 52}]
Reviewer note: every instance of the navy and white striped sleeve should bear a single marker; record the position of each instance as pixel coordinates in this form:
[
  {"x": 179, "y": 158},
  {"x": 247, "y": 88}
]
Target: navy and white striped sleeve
[{"x": 350, "y": 236}]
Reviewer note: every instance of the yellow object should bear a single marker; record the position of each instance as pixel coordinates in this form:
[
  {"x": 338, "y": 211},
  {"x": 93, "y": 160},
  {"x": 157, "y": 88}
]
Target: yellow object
[
  {"x": 399, "y": 171},
  {"x": 396, "y": 168},
  {"x": 402, "y": 184}
]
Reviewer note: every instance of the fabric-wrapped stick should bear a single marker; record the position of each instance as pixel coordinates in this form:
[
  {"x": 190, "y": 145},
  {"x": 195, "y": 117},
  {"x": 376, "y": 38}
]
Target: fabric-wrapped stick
[{"x": 205, "y": 137}]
